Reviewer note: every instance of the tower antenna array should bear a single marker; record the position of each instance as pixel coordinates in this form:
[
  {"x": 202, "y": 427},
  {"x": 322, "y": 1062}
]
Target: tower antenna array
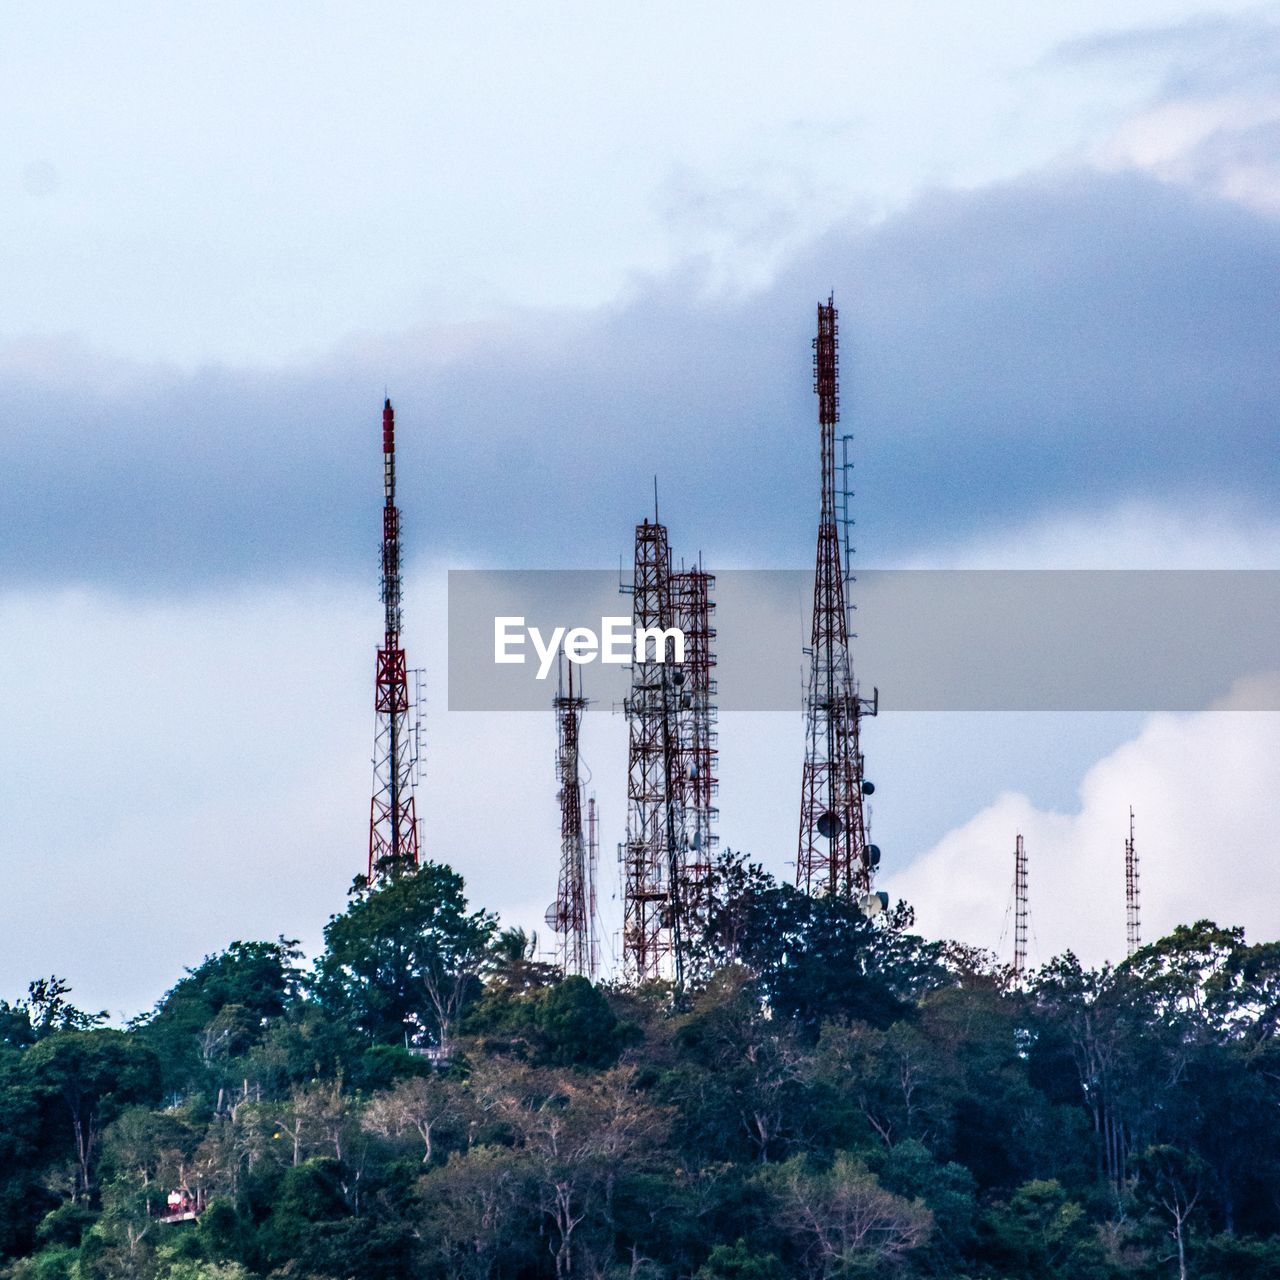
[
  {"x": 696, "y": 773},
  {"x": 834, "y": 855},
  {"x": 1132, "y": 897},
  {"x": 393, "y": 822},
  {"x": 652, "y": 849},
  {"x": 1020, "y": 907},
  {"x": 671, "y": 762},
  {"x": 570, "y": 916}
]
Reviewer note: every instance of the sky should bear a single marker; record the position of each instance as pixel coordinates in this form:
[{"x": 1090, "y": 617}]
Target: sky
[{"x": 580, "y": 246}]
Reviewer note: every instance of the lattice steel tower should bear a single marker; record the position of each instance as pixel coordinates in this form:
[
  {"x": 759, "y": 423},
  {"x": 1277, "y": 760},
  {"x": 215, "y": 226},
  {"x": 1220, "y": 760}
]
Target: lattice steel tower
[
  {"x": 698, "y": 784},
  {"x": 1020, "y": 907},
  {"x": 834, "y": 855},
  {"x": 571, "y": 915},
  {"x": 1132, "y": 898},
  {"x": 393, "y": 822},
  {"x": 652, "y": 850}
]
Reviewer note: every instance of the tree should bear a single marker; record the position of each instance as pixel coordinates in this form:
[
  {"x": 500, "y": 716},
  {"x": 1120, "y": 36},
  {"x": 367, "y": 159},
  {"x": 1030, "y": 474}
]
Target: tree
[
  {"x": 1171, "y": 1182},
  {"x": 477, "y": 1216},
  {"x": 220, "y": 1010},
  {"x": 578, "y": 1026},
  {"x": 48, "y": 1009},
  {"x": 1042, "y": 1234},
  {"x": 843, "y": 1220},
  {"x": 91, "y": 1076},
  {"x": 579, "y": 1137},
  {"x": 820, "y": 958},
  {"x": 404, "y": 959},
  {"x": 418, "y": 1105},
  {"x": 738, "y": 1262}
]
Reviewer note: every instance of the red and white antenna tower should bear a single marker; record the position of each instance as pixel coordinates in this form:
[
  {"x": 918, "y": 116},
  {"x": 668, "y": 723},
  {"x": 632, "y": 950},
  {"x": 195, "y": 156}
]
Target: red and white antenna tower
[
  {"x": 698, "y": 751},
  {"x": 652, "y": 850},
  {"x": 1132, "y": 898},
  {"x": 570, "y": 915},
  {"x": 1020, "y": 908},
  {"x": 393, "y": 821},
  {"x": 834, "y": 855}
]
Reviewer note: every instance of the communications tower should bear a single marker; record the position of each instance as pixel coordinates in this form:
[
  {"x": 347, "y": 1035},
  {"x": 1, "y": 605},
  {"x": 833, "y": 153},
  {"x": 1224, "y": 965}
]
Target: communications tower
[
  {"x": 1020, "y": 908},
  {"x": 393, "y": 821},
  {"x": 834, "y": 855},
  {"x": 652, "y": 849},
  {"x": 1132, "y": 899},
  {"x": 571, "y": 916},
  {"x": 593, "y": 880},
  {"x": 698, "y": 752}
]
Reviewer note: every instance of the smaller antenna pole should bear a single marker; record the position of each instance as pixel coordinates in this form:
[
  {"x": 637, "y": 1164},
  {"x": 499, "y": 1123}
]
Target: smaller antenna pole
[
  {"x": 1020, "y": 908},
  {"x": 593, "y": 864},
  {"x": 1132, "y": 899}
]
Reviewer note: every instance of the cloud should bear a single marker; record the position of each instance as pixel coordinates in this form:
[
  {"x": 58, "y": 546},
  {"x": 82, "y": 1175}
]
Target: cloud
[
  {"x": 1203, "y": 787},
  {"x": 1048, "y": 345},
  {"x": 195, "y": 769},
  {"x": 1213, "y": 121}
]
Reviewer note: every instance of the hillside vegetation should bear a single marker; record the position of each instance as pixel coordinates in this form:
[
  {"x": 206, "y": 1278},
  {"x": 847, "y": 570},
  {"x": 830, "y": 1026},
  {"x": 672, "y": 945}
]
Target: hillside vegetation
[{"x": 828, "y": 1097}]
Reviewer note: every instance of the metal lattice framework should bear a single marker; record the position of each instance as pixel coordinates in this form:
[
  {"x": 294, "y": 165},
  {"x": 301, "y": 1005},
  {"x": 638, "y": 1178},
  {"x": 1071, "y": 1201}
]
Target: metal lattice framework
[
  {"x": 833, "y": 855},
  {"x": 698, "y": 751},
  {"x": 1020, "y": 907},
  {"x": 652, "y": 850},
  {"x": 570, "y": 916},
  {"x": 593, "y": 879},
  {"x": 393, "y": 823},
  {"x": 1132, "y": 895}
]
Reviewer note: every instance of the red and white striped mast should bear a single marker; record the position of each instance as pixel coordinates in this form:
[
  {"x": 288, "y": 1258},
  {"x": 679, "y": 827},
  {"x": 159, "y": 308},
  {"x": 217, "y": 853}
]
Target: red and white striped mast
[
  {"x": 393, "y": 821},
  {"x": 834, "y": 855}
]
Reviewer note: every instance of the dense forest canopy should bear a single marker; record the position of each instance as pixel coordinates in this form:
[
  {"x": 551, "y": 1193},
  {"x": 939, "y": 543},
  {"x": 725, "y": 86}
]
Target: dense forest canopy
[{"x": 828, "y": 1096}]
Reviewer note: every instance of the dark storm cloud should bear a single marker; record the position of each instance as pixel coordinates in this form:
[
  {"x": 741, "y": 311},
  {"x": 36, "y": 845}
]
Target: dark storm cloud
[{"x": 1048, "y": 345}]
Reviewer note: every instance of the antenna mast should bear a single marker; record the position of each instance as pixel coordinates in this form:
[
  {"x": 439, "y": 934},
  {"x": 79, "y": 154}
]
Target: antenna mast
[
  {"x": 393, "y": 821},
  {"x": 570, "y": 914},
  {"x": 653, "y": 850},
  {"x": 698, "y": 752},
  {"x": 593, "y": 871},
  {"x": 1020, "y": 907},
  {"x": 1132, "y": 899},
  {"x": 834, "y": 855}
]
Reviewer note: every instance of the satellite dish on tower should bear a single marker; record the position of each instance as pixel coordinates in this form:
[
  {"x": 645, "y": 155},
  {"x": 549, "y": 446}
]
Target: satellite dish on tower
[
  {"x": 553, "y": 916},
  {"x": 829, "y": 825}
]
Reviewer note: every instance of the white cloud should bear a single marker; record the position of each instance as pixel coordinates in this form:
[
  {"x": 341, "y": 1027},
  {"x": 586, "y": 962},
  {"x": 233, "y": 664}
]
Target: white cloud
[
  {"x": 181, "y": 774},
  {"x": 1225, "y": 145},
  {"x": 1204, "y": 789}
]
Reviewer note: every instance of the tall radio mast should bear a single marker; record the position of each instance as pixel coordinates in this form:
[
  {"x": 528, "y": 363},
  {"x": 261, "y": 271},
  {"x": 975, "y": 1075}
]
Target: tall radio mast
[
  {"x": 834, "y": 855},
  {"x": 571, "y": 913},
  {"x": 393, "y": 820},
  {"x": 1132, "y": 901}
]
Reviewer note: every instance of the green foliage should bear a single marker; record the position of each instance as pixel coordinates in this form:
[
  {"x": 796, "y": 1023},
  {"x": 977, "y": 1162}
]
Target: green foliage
[
  {"x": 829, "y": 1096},
  {"x": 578, "y": 1026},
  {"x": 404, "y": 960},
  {"x": 1041, "y": 1234},
  {"x": 738, "y": 1262},
  {"x": 85, "y": 1078},
  {"x": 1238, "y": 1258}
]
